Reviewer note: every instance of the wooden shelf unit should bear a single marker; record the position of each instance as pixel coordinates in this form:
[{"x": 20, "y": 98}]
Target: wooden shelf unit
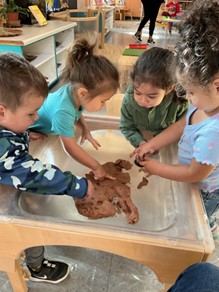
[{"x": 48, "y": 44}]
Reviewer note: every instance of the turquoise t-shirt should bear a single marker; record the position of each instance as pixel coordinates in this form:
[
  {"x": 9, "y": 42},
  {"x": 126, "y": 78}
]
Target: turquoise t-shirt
[{"x": 58, "y": 113}]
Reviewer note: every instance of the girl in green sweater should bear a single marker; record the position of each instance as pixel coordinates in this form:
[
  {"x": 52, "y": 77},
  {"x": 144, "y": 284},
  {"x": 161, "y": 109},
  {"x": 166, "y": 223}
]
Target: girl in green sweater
[{"x": 151, "y": 102}]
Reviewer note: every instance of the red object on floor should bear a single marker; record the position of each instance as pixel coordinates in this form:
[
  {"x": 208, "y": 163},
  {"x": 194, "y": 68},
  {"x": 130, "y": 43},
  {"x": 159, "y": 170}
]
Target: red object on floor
[{"x": 138, "y": 46}]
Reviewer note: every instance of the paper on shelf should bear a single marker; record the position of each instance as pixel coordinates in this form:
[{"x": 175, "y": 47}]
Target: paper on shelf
[{"x": 38, "y": 14}]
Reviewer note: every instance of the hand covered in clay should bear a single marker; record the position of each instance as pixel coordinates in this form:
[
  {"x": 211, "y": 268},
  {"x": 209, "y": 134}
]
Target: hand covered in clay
[
  {"x": 110, "y": 197},
  {"x": 150, "y": 166},
  {"x": 138, "y": 161},
  {"x": 100, "y": 173},
  {"x": 144, "y": 149},
  {"x": 86, "y": 135}
]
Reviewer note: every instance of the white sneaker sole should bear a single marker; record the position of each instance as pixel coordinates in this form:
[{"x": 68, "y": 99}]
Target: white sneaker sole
[
  {"x": 137, "y": 39},
  {"x": 41, "y": 280}
]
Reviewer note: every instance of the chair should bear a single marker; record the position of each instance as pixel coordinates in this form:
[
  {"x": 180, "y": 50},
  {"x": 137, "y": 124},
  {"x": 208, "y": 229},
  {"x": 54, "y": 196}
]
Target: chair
[
  {"x": 77, "y": 12},
  {"x": 160, "y": 21},
  {"x": 85, "y": 23},
  {"x": 101, "y": 23},
  {"x": 118, "y": 15},
  {"x": 185, "y": 4},
  {"x": 62, "y": 15},
  {"x": 128, "y": 13},
  {"x": 88, "y": 20}
]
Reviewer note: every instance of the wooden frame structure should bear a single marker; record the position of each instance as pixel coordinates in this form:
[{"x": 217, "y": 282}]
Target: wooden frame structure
[
  {"x": 166, "y": 255},
  {"x": 101, "y": 15}
]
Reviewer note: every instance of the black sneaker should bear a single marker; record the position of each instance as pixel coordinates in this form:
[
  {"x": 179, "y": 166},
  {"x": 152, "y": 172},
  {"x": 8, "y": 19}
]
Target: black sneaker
[
  {"x": 151, "y": 41},
  {"x": 50, "y": 272},
  {"x": 137, "y": 37}
]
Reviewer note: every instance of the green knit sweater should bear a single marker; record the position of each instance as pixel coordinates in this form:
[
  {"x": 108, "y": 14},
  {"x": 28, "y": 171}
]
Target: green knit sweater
[{"x": 135, "y": 118}]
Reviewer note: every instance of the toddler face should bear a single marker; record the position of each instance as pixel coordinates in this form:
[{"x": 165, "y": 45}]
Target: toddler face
[
  {"x": 147, "y": 95},
  {"x": 95, "y": 104},
  {"x": 204, "y": 98},
  {"x": 24, "y": 116}
]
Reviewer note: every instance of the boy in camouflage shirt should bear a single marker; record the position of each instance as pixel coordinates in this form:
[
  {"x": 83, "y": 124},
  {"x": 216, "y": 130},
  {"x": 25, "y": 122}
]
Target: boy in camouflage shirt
[{"x": 22, "y": 91}]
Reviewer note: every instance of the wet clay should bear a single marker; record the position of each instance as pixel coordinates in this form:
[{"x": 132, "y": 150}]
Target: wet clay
[
  {"x": 143, "y": 183},
  {"x": 110, "y": 197}
]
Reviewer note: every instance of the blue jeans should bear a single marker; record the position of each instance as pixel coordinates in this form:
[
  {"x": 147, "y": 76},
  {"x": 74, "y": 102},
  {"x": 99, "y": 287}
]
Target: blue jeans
[
  {"x": 201, "y": 277},
  {"x": 34, "y": 256},
  {"x": 211, "y": 202}
]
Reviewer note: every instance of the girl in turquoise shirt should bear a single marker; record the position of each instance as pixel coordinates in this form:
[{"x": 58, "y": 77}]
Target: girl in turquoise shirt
[{"x": 89, "y": 81}]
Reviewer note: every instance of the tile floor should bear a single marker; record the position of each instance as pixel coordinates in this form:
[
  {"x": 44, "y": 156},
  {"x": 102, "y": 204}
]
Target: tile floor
[{"x": 94, "y": 270}]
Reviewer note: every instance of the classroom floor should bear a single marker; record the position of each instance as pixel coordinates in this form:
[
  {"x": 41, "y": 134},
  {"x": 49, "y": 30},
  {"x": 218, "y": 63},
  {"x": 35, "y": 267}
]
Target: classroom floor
[{"x": 99, "y": 271}]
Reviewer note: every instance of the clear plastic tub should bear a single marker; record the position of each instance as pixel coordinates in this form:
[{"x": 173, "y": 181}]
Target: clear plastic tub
[{"x": 165, "y": 207}]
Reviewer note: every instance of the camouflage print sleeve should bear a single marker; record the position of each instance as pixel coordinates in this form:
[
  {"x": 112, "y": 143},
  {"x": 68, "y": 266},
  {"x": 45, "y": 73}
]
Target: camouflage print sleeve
[{"x": 20, "y": 170}]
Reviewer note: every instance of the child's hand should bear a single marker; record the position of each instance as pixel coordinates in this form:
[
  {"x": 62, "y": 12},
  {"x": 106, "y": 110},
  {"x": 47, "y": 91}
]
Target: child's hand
[
  {"x": 94, "y": 142},
  {"x": 149, "y": 166},
  {"x": 36, "y": 135},
  {"x": 142, "y": 143},
  {"x": 100, "y": 173},
  {"x": 143, "y": 150},
  {"x": 86, "y": 135}
]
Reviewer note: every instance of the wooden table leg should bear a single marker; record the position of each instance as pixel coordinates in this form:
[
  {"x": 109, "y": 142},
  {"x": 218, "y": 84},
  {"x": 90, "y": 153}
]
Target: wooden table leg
[{"x": 16, "y": 278}]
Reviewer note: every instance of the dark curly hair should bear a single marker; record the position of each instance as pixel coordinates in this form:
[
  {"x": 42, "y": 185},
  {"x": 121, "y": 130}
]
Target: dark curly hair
[{"x": 197, "y": 52}]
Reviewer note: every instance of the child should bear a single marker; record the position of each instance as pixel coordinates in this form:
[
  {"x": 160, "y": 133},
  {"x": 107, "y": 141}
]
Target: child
[
  {"x": 198, "y": 72},
  {"x": 23, "y": 90},
  {"x": 151, "y": 103},
  {"x": 173, "y": 8},
  {"x": 89, "y": 81}
]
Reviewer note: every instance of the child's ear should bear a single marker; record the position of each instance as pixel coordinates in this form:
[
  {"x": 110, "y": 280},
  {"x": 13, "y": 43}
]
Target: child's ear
[
  {"x": 169, "y": 89},
  {"x": 82, "y": 92},
  {"x": 216, "y": 85},
  {"x": 2, "y": 112}
]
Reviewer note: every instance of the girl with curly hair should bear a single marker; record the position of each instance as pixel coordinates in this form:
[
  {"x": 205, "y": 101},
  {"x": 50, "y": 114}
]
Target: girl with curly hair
[{"x": 197, "y": 54}]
